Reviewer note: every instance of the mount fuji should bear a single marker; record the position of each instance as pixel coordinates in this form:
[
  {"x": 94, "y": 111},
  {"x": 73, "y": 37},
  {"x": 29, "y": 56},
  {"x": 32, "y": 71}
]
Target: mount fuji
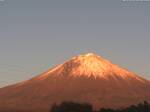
[{"x": 85, "y": 78}]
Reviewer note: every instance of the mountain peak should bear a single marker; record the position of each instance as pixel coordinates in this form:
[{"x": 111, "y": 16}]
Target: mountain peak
[
  {"x": 89, "y": 65},
  {"x": 90, "y": 55},
  {"x": 88, "y": 58}
]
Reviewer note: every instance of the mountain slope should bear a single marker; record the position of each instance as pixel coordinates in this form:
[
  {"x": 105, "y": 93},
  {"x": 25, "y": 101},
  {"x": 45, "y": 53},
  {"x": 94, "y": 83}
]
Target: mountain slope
[{"x": 84, "y": 78}]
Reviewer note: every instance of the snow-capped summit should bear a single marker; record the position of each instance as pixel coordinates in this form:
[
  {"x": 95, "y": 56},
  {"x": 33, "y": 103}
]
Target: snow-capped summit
[{"x": 89, "y": 65}]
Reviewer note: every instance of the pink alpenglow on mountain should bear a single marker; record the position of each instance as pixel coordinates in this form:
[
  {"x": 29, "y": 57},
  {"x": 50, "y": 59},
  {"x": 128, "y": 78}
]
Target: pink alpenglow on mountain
[{"x": 84, "y": 78}]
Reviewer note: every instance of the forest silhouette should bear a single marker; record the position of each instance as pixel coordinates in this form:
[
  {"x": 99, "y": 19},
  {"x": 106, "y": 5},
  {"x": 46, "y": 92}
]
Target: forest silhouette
[{"x": 85, "y": 107}]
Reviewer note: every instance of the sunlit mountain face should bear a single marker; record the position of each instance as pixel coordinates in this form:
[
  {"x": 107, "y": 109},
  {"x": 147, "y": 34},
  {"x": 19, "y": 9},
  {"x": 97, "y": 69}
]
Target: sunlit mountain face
[{"x": 84, "y": 78}]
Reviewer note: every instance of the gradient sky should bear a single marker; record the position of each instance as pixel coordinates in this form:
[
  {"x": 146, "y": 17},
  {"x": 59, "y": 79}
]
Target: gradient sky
[{"x": 38, "y": 34}]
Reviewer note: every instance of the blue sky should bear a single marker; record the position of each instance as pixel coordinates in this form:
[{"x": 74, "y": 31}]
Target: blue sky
[{"x": 38, "y": 34}]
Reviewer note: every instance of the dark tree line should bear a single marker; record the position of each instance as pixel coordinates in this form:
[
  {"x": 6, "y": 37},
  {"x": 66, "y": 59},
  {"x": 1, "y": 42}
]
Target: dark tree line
[
  {"x": 72, "y": 107},
  {"x": 85, "y": 107}
]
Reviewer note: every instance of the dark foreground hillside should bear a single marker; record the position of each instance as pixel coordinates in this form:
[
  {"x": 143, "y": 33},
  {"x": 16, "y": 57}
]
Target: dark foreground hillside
[{"x": 84, "y": 107}]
